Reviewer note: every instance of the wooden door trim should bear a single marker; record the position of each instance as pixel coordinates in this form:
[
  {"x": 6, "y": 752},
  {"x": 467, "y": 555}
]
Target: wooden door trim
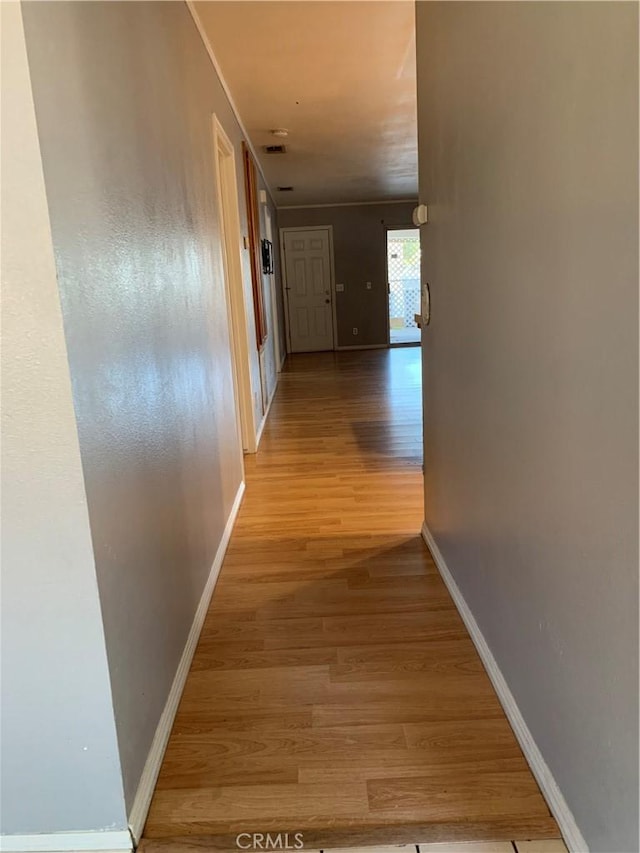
[
  {"x": 255, "y": 249},
  {"x": 332, "y": 275}
]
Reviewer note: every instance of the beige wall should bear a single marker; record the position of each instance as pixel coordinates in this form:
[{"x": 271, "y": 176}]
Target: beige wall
[
  {"x": 359, "y": 244},
  {"x": 528, "y": 138},
  {"x": 124, "y": 97},
  {"x": 60, "y": 766}
]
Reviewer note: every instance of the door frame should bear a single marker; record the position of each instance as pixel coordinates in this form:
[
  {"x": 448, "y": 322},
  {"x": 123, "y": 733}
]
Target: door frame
[
  {"x": 231, "y": 251},
  {"x": 268, "y": 229},
  {"x": 386, "y": 228},
  {"x": 332, "y": 272}
]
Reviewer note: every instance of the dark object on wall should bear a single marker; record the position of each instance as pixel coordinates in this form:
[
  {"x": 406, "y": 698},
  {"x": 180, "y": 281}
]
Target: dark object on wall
[{"x": 267, "y": 257}]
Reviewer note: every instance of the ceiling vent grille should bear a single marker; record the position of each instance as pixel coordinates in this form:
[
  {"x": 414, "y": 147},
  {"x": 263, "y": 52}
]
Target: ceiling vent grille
[
  {"x": 285, "y": 189},
  {"x": 275, "y": 149}
]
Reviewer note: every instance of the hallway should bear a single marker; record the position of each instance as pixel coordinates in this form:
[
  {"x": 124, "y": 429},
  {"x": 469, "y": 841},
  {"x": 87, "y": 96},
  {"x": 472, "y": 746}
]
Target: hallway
[
  {"x": 263, "y": 644},
  {"x": 335, "y": 690}
]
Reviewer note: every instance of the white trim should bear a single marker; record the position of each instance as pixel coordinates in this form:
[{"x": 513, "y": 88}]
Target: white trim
[
  {"x": 283, "y": 285},
  {"x": 216, "y": 67},
  {"x": 334, "y": 299},
  {"x": 263, "y": 422},
  {"x": 146, "y": 786},
  {"x": 306, "y": 228},
  {"x": 268, "y": 230},
  {"x": 240, "y": 337},
  {"x": 109, "y": 841},
  {"x": 548, "y": 785},
  {"x": 332, "y": 271},
  {"x": 348, "y": 203},
  {"x": 363, "y": 346}
]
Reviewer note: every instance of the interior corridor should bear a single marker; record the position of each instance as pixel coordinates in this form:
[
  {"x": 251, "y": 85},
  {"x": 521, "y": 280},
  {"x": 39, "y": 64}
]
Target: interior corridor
[{"x": 335, "y": 690}]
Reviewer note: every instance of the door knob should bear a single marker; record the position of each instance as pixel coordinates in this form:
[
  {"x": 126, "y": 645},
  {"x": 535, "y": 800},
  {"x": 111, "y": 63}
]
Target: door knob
[{"x": 328, "y": 301}]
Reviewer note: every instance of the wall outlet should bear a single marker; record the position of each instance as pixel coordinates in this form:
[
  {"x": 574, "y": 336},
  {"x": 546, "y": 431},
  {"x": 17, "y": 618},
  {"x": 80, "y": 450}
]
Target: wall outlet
[
  {"x": 368, "y": 285},
  {"x": 339, "y": 288},
  {"x": 355, "y": 330}
]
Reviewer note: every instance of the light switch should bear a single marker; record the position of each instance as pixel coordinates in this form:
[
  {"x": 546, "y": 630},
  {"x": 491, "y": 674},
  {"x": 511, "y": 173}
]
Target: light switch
[
  {"x": 368, "y": 285},
  {"x": 339, "y": 288}
]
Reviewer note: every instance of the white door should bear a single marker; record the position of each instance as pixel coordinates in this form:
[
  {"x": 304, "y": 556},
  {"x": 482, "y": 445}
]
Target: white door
[{"x": 308, "y": 289}]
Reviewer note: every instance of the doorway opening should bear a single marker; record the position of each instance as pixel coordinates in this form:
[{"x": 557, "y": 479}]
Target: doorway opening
[
  {"x": 229, "y": 218},
  {"x": 403, "y": 277}
]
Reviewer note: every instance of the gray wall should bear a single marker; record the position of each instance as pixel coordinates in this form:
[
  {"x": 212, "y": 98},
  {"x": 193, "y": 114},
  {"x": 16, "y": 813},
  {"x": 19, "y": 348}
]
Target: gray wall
[
  {"x": 60, "y": 766},
  {"x": 124, "y": 96},
  {"x": 359, "y": 246},
  {"x": 528, "y": 145}
]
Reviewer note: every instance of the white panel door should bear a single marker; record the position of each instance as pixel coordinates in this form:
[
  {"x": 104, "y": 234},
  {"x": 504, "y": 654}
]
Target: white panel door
[{"x": 308, "y": 268}]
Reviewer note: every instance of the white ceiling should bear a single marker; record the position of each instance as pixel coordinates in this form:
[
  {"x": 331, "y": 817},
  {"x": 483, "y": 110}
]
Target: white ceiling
[{"x": 340, "y": 76}]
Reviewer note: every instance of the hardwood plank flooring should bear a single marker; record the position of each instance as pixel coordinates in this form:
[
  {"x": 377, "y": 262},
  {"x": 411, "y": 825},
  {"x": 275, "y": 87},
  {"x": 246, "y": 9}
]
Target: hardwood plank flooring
[{"x": 335, "y": 690}]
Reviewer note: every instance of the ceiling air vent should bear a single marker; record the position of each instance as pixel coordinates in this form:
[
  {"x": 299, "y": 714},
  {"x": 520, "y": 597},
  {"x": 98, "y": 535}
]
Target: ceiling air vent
[
  {"x": 285, "y": 189},
  {"x": 275, "y": 149}
]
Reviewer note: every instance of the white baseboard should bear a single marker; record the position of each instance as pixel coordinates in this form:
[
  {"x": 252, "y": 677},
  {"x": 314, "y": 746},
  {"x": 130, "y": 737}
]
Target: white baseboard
[
  {"x": 149, "y": 776},
  {"x": 552, "y": 794},
  {"x": 109, "y": 841},
  {"x": 364, "y": 346}
]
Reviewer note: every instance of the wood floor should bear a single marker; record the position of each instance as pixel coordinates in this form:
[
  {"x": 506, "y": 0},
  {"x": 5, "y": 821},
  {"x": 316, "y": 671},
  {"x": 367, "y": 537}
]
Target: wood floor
[{"x": 335, "y": 690}]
